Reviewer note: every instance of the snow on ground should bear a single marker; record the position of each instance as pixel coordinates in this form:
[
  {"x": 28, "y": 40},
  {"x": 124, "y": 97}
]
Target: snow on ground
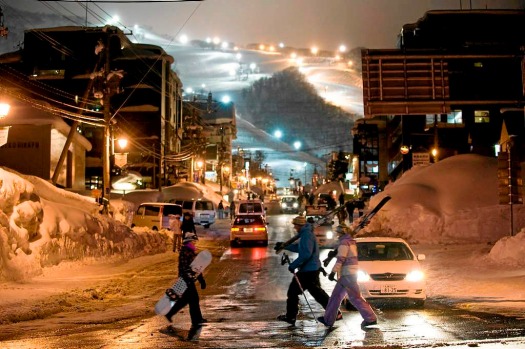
[{"x": 448, "y": 211}]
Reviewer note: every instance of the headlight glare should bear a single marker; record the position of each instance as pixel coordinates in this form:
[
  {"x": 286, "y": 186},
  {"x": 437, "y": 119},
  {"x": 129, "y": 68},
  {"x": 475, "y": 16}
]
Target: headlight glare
[
  {"x": 329, "y": 234},
  {"x": 415, "y": 275},
  {"x": 362, "y": 276}
]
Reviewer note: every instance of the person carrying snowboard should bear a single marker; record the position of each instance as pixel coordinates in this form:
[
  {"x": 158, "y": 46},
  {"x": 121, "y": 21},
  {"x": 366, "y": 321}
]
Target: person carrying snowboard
[
  {"x": 309, "y": 268},
  {"x": 346, "y": 269},
  {"x": 190, "y": 296}
]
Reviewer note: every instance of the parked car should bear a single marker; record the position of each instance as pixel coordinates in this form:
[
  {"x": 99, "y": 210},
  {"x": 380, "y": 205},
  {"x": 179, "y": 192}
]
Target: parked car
[
  {"x": 249, "y": 228},
  {"x": 323, "y": 227},
  {"x": 155, "y": 215},
  {"x": 389, "y": 269},
  {"x": 290, "y": 204},
  {"x": 202, "y": 210}
]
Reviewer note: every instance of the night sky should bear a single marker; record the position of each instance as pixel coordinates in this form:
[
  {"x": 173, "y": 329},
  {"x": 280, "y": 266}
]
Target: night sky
[{"x": 325, "y": 24}]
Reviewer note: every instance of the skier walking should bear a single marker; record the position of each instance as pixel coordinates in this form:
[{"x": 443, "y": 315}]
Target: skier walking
[
  {"x": 190, "y": 296},
  {"x": 187, "y": 226},
  {"x": 220, "y": 208},
  {"x": 175, "y": 227},
  {"x": 309, "y": 268},
  {"x": 346, "y": 269}
]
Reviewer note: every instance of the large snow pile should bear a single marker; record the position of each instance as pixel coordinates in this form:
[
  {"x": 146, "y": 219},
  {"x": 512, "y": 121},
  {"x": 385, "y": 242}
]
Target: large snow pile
[
  {"x": 452, "y": 201},
  {"x": 41, "y": 225}
]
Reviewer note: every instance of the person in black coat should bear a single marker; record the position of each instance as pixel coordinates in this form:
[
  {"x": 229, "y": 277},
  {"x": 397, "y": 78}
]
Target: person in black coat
[{"x": 187, "y": 226}]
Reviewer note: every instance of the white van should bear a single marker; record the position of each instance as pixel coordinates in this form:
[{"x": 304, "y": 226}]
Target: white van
[
  {"x": 202, "y": 210},
  {"x": 250, "y": 207},
  {"x": 155, "y": 215}
]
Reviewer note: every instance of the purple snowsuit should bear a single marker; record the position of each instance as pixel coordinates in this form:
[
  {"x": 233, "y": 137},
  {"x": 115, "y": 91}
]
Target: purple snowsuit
[{"x": 346, "y": 269}]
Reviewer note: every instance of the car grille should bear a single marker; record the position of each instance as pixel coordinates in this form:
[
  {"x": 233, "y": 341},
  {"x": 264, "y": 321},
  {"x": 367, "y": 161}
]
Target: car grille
[{"x": 388, "y": 277}]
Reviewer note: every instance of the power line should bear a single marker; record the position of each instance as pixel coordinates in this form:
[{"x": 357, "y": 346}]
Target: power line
[{"x": 123, "y": 1}]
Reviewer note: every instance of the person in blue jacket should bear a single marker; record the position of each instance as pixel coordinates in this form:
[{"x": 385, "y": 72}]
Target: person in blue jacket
[{"x": 309, "y": 266}]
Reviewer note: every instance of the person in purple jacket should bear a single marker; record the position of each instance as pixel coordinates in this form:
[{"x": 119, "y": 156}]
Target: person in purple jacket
[{"x": 346, "y": 269}]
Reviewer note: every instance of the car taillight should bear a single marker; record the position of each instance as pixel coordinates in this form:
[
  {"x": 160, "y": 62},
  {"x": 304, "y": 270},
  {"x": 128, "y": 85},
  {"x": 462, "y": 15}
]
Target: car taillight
[
  {"x": 235, "y": 229},
  {"x": 260, "y": 229}
]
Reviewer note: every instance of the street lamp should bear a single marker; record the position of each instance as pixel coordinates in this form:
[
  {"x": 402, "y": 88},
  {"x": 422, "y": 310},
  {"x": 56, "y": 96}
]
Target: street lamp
[
  {"x": 4, "y": 109},
  {"x": 297, "y": 145},
  {"x": 200, "y": 165}
]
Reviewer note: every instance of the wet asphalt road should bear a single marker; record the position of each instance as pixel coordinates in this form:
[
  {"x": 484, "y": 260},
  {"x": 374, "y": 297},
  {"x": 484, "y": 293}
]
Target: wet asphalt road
[{"x": 246, "y": 291}]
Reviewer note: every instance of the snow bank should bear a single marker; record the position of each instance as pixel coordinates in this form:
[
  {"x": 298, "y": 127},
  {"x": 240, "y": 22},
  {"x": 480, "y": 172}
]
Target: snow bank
[
  {"x": 454, "y": 201},
  {"x": 41, "y": 225}
]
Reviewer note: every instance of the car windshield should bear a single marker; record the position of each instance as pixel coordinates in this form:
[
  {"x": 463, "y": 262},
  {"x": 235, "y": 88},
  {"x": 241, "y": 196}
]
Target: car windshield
[
  {"x": 250, "y": 208},
  {"x": 383, "y": 251},
  {"x": 248, "y": 220},
  {"x": 204, "y": 205},
  {"x": 289, "y": 199}
]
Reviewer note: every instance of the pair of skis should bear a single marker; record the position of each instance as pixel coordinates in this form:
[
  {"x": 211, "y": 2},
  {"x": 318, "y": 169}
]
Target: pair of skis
[
  {"x": 279, "y": 247},
  {"x": 362, "y": 223}
]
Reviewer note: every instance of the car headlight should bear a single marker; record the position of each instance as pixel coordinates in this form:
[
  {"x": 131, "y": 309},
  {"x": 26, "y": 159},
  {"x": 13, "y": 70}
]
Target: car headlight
[
  {"x": 295, "y": 205},
  {"x": 415, "y": 275},
  {"x": 362, "y": 276},
  {"x": 283, "y": 205},
  {"x": 329, "y": 234}
]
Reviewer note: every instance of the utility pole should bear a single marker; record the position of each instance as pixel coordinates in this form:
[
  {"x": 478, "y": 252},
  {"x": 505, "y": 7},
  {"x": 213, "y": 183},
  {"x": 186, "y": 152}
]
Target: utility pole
[
  {"x": 107, "y": 135},
  {"x": 221, "y": 157}
]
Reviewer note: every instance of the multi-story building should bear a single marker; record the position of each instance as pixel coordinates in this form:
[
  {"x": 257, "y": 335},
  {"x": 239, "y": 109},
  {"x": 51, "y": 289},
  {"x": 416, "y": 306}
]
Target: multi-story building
[
  {"x": 105, "y": 87},
  {"x": 214, "y": 126},
  {"x": 456, "y": 81}
]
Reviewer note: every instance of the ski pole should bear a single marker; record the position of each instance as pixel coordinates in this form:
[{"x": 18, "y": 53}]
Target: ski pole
[{"x": 286, "y": 259}]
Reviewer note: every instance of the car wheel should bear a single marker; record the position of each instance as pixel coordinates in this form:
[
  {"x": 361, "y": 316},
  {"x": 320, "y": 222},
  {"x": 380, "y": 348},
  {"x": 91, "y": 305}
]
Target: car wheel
[
  {"x": 155, "y": 229},
  {"x": 133, "y": 225},
  {"x": 419, "y": 303},
  {"x": 265, "y": 243},
  {"x": 206, "y": 226},
  {"x": 234, "y": 243}
]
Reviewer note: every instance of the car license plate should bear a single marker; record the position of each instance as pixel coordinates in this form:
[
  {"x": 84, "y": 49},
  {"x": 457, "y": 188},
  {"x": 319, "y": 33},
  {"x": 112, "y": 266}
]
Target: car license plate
[
  {"x": 204, "y": 215},
  {"x": 388, "y": 289},
  {"x": 248, "y": 230}
]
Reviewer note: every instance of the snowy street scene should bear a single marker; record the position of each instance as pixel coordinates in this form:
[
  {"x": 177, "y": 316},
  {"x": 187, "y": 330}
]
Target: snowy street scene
[{"x": 262, "y": 174}]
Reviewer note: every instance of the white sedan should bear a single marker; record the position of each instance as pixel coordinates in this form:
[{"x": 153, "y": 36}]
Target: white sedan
[{"x": 388, "y": 268}]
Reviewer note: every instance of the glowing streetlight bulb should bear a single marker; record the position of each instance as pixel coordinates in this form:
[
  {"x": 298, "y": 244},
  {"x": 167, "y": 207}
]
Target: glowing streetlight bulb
[
  {"x": 297, "y": 145},
  {"x": 278, "y": 134},
  {"x": 4, "y": 109}
]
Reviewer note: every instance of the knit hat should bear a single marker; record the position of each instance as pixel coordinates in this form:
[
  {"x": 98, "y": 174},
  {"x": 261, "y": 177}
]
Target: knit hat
[
  {"x": 299, "y": 220},
  {"x": 190, "y": 237},
  {"x": 342, "y": 229}
]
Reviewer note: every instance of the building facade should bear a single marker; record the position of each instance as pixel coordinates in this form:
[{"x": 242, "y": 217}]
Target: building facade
[{"x": 455, "y": 81}]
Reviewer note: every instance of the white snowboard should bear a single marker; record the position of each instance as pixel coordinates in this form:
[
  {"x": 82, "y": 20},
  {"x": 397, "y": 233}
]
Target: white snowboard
[{"x": 201, "y": 261}]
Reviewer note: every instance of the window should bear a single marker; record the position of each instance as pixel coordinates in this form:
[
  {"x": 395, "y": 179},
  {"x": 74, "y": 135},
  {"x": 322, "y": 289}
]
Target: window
[
  {"x": 204, "y": 206},
  {"x": 248, "y": 220},
  {"x": 152, "y": 210},
  {"x": 481, "y": 116},
  {"x": 170, "y": 209}
]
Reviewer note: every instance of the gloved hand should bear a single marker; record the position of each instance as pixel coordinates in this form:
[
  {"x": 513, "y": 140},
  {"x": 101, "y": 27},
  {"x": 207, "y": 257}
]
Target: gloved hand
[
  {"x": 328, "y": 259},
  {"x": 278, "y": 246},
  {"x": 171, "y": 294},
  {"x": 290, "y": 269},
  {"x": 331, "y": 277},
  {"x": 203, "y": 284}
]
